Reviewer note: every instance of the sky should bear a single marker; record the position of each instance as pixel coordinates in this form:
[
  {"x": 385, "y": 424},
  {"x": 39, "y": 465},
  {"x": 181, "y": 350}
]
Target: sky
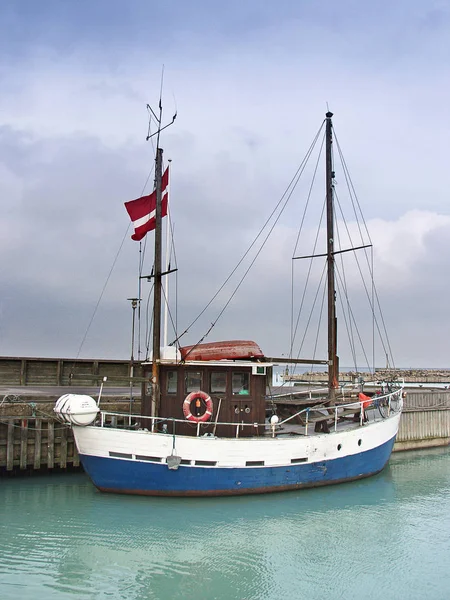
[{"x": 250, "y": 82}]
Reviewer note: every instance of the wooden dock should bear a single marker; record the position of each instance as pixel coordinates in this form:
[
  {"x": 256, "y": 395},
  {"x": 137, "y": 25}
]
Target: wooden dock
[
  {"x": 36, "y": 443},
  {"x": 19, "y": 371},
  {"x": 32, "y": 439}
]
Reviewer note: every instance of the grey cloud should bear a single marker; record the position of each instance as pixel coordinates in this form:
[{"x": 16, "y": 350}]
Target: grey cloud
[{"x": 72, "y": 151}]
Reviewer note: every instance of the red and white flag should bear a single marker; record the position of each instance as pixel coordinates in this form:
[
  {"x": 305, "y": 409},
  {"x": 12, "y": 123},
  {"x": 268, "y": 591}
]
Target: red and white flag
[{"x": 143, "y": 210}]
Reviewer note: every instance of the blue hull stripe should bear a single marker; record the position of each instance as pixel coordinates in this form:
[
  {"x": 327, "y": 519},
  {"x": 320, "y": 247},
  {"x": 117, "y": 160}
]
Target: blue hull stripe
[{"x": 134, "y": 477}]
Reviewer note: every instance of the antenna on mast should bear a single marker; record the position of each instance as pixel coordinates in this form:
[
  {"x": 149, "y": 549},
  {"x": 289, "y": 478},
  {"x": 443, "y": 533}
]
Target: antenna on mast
[{"x": 158, "y": 119}]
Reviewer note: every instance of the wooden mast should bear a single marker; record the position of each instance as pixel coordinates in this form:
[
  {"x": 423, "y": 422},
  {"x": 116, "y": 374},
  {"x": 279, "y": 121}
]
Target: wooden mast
[
  {"x": 333, "y": 366},
  {"x": 157, "y": 289}
]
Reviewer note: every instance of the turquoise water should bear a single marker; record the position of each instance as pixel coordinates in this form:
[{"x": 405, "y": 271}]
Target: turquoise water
[{"x": 387, "y": 537}]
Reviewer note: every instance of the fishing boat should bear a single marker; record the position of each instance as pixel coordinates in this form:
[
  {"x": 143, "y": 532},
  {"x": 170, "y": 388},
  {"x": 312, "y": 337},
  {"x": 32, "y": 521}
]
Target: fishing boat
[{"x": 206, "y": 428}]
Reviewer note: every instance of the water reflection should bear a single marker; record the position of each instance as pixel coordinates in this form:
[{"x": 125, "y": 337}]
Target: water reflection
[{"x": 369, "y": 539}]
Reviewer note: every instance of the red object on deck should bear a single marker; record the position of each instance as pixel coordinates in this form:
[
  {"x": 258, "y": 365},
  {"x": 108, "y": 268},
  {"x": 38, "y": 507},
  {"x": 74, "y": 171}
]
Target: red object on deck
[
  {"x": 367, "y": 399},
  {"x": 230, "y": 350}
]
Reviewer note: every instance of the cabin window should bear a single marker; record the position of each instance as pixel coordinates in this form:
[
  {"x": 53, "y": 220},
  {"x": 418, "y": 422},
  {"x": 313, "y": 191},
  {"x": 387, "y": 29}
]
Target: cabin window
[
  {"x": 218, "y": 383},
  {"x": 241, "y": 383},
  {"x": 172, "y": 382},
  {"x": 193, "y": 381}
]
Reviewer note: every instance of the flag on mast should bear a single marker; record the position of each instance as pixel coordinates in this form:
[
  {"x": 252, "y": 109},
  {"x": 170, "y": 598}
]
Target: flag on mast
[{"x": 142, "y": 211}]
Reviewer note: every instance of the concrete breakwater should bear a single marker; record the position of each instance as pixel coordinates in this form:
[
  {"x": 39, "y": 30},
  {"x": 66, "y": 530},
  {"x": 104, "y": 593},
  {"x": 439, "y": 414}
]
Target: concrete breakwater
[{"x": 421, "y": 376}]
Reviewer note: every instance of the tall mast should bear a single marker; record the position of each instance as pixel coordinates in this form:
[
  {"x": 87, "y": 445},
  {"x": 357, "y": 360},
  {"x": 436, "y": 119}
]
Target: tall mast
[
  {"x": 157, "y": 288},
  {"x": 333, "y": 366}
]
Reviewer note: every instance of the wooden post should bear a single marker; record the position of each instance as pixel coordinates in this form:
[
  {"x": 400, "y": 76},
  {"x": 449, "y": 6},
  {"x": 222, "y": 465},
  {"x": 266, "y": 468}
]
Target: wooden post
[
  {"x": 51, "y": 444},
  {"x": 10, "y": 446},
  {"x": 37, "y": 443},
  {"x": 23, "y": 443},
  {"x": 63, "y": 448},
  {"x": 76, "y": 458}
]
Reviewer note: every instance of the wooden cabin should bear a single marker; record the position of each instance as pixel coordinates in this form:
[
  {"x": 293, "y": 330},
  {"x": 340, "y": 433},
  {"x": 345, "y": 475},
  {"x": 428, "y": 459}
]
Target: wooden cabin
[{"x": 233, "y": 390}]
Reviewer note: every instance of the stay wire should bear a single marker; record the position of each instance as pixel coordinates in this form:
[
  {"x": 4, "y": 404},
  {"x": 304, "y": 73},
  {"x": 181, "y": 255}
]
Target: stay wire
[
  {"x": 288, "y": 192},
  {"x": 352, "y": 192},
  {"x": 289, "y": 195},
  {"x": 148, "y": 328},
  {"x": 308, "y": 322},
  {"x": 102, "y": 293},
  {"x": 172, "y": 253},
  {"x": 107, "y": 280},
  {"x": 344, "y": 313},
  {"x": 169, "y": 311},
  {"x": 361, "y": 274},
  {"x": 339, "y": 280},
  {"x": 142, "y": 249},
  {"x": 305, "y": 286},
  {"x": 320, "y": 321},
  {"x": 294, "y": 331}
]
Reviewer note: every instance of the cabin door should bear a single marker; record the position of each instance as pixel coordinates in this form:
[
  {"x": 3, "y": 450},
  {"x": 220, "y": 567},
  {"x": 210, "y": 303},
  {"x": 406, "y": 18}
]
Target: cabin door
[{"x": 242, "y": 414}]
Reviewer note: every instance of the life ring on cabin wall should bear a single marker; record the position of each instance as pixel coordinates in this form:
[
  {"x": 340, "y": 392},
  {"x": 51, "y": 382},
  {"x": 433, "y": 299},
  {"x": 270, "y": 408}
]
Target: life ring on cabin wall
[{"x": 198, "y": 396}]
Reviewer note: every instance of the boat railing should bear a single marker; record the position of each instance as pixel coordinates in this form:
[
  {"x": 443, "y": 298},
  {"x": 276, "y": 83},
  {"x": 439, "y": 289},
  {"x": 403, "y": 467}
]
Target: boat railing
[
  {"x": 311, "y": 392},
  {"x": 385, "y": 403}
]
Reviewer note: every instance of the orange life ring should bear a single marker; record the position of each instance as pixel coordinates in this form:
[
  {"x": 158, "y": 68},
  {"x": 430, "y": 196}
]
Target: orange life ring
[{"x": 197, "y": 396}]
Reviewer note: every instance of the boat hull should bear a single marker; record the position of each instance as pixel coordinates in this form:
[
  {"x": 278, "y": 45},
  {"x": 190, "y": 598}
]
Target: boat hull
[
  {"x": 129, "y": 477},
  {"x": 325, "y": 459}
]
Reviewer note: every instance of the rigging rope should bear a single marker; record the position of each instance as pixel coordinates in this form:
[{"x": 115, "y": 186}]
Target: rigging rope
[
  {"x": 107, "y": 279},
  {"x": 353, "y": 194},
  {"x": 348, "y": 324},
  {"x": 351, "y": 318},
  {"x": 308, "y": 322},
  {"x": 372, "y": 296},
  {"x": 286, "y": 197},
  {"x": 372, "y": 307},
  {"x": 294, "y": 330}
]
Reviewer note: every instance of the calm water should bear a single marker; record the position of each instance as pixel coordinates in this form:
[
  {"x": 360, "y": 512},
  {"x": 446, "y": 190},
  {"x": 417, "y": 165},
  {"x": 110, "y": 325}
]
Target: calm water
[{"x": 387, "y": 537}]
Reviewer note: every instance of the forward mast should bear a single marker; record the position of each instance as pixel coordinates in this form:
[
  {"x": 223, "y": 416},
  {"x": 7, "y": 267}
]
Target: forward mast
[{"x": 333, "y": 364}]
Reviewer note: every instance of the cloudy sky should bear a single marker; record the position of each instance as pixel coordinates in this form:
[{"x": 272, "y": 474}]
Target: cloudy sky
[{"x": 250, "y": 81}]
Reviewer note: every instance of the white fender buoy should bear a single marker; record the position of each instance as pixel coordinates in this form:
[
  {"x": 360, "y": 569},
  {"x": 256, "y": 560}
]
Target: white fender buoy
[{"x": 76, "y": 409}]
